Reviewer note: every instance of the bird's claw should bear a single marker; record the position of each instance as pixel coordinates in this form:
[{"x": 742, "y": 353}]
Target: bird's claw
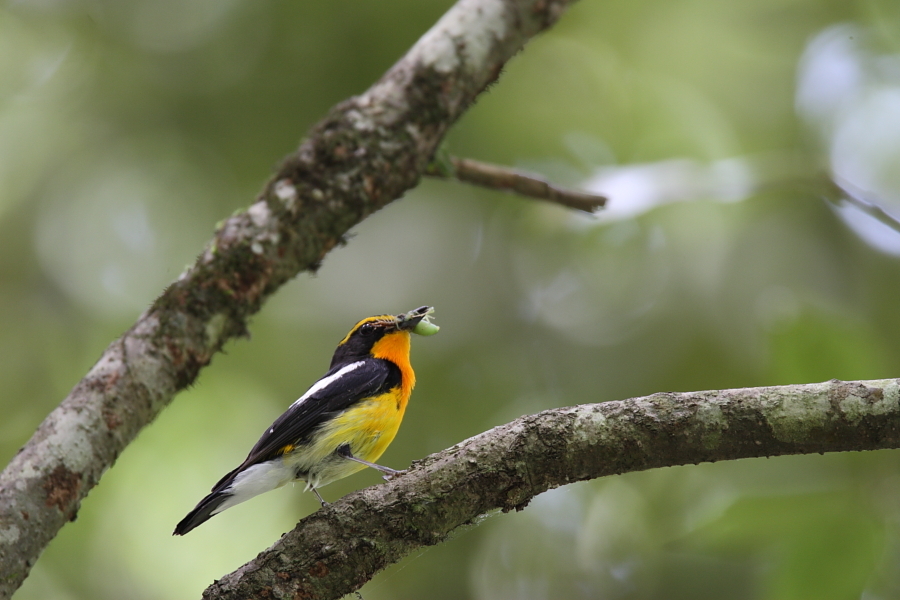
[{"x": 390, "y": 476}]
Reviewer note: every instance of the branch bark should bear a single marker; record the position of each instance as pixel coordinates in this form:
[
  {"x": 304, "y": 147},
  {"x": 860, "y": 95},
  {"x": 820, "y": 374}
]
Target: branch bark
[
  {"x": 338, "y": 548},
  {"x": 364, "y": 154}
]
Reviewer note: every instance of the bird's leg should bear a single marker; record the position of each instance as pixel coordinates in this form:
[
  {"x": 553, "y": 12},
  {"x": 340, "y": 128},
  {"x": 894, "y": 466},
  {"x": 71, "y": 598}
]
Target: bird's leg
[
  {"x": 319, "y": 496},
  {"x": 388, "y": 473}
]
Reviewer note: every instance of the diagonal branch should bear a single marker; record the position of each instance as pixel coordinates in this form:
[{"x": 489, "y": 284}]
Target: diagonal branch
[
  {"x": 338, "y": 548},
  {"x": 364, "y": 154}
]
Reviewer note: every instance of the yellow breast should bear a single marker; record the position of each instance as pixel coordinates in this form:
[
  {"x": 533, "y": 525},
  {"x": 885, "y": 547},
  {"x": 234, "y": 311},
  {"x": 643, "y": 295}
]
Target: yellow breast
[{"x": 369, "y": 427}]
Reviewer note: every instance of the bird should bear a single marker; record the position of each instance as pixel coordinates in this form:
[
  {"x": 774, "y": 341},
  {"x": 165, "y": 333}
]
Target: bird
[{"x": 341, "y": 425}]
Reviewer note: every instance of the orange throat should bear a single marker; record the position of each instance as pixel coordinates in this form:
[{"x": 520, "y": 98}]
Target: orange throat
[{"x": 395, "y": 348}]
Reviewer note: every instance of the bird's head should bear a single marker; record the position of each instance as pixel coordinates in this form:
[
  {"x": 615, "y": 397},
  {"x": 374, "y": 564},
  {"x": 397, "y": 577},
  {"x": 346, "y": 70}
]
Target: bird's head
[{"x": 384, "y": 336}]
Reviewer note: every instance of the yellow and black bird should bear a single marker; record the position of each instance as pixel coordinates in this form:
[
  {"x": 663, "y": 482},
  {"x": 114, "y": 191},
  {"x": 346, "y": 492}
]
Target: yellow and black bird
[{"x": 342, "y": 424}]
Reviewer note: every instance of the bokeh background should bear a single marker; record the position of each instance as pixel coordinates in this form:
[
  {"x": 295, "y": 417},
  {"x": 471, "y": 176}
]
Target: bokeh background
[{"x": 128, "y": 128}]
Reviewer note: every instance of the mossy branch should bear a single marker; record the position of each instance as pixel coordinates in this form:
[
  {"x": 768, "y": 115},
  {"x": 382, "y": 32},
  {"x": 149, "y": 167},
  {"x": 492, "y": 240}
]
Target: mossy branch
[{"x": 337, "y": 549}]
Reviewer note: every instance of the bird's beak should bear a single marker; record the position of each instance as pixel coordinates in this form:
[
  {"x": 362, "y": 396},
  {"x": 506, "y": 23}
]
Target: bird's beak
[{"x": 408, "y": 321}]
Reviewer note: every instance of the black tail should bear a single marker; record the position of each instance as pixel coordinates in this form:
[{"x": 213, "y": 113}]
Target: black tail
[{"x": 202, "y": 512}]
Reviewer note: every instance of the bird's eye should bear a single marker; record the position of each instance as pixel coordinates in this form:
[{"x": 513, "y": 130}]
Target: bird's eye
[{"x": 367, "y": 329}]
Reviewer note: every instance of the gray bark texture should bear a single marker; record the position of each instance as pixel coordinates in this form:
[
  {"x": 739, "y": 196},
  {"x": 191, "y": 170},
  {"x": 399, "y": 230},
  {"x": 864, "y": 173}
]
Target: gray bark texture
[
  {"x": 364, "y": 154},
  {"x": 337, "y": 549}
]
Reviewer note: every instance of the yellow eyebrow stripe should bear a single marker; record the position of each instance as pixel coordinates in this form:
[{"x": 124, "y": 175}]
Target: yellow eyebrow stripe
[{"x": 363, "y": 322}]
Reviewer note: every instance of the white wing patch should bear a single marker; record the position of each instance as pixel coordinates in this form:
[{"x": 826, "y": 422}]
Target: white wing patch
[{"x": 325, "y": 382}]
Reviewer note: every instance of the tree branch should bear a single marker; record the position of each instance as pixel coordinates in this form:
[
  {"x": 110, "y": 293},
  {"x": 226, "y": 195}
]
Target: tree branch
[
  {"x": 503, "y": 178},
  {"x": 364, "y": 154},
  {"x": 863, "y": 200},
  {"x": 338, "y": 548}
]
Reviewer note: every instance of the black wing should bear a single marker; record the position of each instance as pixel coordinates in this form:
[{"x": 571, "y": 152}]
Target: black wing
[{"x": 371, "y": 377}]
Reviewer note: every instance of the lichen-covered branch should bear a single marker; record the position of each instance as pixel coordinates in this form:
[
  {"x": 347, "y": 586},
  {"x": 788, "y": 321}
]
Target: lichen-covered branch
[
  {"x": 364, "y": 154},
  {"x": 338, "y": 548}
]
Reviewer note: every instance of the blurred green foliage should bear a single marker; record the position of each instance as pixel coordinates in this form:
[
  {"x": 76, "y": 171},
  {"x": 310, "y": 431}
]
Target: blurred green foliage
[{"x": 127, "y": 129}]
